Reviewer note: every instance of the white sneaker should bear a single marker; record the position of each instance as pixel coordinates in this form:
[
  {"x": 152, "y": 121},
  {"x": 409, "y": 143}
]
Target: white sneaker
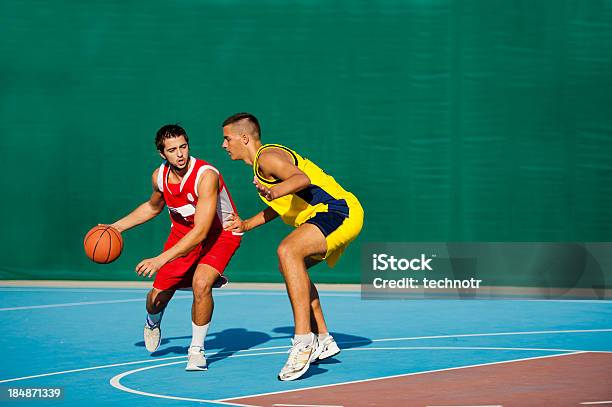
[
  {"x": 329, "y": 348},
  {"x": 196, "y": 361},
  {"x": 300, "y": 357},
  {"x": 152, "y": 336}
]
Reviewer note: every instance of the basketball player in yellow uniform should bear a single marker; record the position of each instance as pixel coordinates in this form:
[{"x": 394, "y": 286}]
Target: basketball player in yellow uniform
[{"x": 326, "y": 217}]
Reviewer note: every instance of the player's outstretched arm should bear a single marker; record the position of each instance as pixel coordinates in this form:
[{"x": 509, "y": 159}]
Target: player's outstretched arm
[
  {"x": 144, "y": 212},
  {"x": 279, "y": 165},
  {"x": 234, "y": 224},
  {"x": 204, "y": 214}
]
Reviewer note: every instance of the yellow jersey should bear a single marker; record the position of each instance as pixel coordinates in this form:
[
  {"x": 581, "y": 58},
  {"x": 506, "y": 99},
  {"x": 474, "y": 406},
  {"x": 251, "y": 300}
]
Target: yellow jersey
[{"x": 323, "y": 194}]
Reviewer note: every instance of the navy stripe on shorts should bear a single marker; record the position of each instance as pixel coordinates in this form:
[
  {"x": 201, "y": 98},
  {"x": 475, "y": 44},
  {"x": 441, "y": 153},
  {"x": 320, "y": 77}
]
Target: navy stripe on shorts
[{"x": 327, "y": 222}]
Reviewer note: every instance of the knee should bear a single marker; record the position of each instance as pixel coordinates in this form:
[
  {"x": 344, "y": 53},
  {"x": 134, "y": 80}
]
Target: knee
[
  {"x": 202, "y": 288},
  {"x": 157, "y": 301},
  {"x": 285, "y": 251}
]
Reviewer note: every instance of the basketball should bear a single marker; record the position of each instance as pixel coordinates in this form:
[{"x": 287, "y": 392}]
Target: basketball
[{"x": 103, "y": 244}]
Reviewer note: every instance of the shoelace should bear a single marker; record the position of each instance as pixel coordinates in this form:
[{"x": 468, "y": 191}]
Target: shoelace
[{"x": 294, "y": 354}]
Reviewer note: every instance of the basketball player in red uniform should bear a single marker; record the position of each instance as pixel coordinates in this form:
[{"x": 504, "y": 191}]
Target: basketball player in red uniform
[{"x": 197, "y": 250}]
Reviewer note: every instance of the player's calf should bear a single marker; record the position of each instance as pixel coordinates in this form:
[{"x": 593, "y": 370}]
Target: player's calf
[{"x": 157, "y": 300}]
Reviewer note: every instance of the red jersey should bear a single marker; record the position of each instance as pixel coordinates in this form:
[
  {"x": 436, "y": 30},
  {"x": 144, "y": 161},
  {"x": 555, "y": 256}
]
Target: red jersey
[{"x": 182, "y": 198}]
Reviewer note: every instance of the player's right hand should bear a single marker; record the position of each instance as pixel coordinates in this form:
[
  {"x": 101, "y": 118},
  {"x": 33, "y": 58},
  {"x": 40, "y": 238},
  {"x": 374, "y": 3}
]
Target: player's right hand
[{"x": 233, "y": 223}]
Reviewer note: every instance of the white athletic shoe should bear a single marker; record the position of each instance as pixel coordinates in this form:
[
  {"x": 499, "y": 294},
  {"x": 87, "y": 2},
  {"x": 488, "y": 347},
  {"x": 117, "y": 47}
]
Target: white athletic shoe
[
  {"x": 152, "y": 336},
  {"x": 196, "y": 361},
  {"x": 329, "y": 348},
  {"x": 300, "y": 357}
]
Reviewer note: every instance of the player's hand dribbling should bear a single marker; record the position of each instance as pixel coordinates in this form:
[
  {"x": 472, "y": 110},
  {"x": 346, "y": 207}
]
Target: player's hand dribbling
[
  {"x": 263, "y": 190},
  {"x": 148, "y": 267},
  {"x": 112, "y": 225},
  {"x": 233, "y": 223}
]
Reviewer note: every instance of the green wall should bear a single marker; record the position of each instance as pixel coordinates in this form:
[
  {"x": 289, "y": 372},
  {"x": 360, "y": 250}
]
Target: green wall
[{"x": 450, "y": 120}]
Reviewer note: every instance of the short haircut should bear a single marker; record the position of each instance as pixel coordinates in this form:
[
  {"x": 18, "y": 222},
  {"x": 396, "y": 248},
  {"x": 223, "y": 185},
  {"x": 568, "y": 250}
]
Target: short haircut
[
  {"x": 244, "y": 116},
  {"x": 169, "y": 131}
]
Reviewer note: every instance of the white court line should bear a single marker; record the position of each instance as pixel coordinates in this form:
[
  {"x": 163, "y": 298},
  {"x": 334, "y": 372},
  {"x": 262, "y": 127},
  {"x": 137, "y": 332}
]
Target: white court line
[
  {"x": 496, "y": 405},
  {"x": 513, "y": 299},
  {"x": 568, "y": 331},
  {"x": 596, "y": 402},
  {"x": 414, "y": 338},
  {"x": 84, "y": 369},
  {"x": 116, "y": 380},
  {"x": 136, "y": 290},
  {"x": 400, "y": 375},
  {"x": 468, "y": 348},
  {"x": 225, "y": 291},
  {"x": 76, "y": 304},
  {"x": 340, "y": 343},
  {"x": 282, "y": 292},
  {"x": 72, "y": 290}
]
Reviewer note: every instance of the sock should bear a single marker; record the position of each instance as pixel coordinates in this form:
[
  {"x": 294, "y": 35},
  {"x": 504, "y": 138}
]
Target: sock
[
  {"x": 305, "y": 339},
  {"x": 153, "y": 319},
  {"x": 198, "y": 335},
  {"x": 322, "y": 337}
]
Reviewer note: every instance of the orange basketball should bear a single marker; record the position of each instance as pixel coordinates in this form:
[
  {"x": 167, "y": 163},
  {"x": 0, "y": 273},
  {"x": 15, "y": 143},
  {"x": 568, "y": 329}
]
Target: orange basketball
[{"x": 103, "y": 244}]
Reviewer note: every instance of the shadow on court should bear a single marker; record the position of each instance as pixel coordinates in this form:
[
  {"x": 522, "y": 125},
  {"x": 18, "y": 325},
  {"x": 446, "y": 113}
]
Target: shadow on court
[
  {"x": 230, "y": 341},
  {"x": 344, "y": 341},
  {"x": 225, "y": 343}
]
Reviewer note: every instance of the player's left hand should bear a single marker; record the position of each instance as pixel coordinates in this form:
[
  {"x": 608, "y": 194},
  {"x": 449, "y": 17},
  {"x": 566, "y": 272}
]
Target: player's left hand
[
  {"x": 233, "y": 223},
  {"x": 148, "y": 267},
  {"x": 263, "y": 190}
]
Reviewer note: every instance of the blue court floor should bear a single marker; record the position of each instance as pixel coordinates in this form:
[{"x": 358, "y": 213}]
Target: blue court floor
[{"x": 89, "y": 341}]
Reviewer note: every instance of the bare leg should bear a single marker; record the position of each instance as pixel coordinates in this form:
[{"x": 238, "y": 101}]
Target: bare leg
[
  {"x": 203, "y": 304},
  {"x": 305, "y": 241},
  {"x": 317, "y": 320},
  {"x": 201, "y": 314},
  {"x": 157, "y": 300}
]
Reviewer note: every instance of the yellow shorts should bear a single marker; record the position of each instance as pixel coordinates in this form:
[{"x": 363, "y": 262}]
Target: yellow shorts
[{"x": 339, "y": 230}]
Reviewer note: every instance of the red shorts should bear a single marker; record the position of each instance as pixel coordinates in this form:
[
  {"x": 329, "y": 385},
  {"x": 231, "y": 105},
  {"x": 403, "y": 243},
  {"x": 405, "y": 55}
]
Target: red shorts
[{"x": 216, "y": 251}]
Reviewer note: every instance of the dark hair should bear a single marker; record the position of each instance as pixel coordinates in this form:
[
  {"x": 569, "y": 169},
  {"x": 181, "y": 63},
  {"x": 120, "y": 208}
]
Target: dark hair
[
  {"x": 166, "y": 132},
  {"x": 243, "y": 116}
]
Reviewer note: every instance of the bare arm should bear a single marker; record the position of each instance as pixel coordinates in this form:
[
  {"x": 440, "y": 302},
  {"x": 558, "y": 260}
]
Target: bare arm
[
  {"x": 144, "y": 212},
  {"x": 279, "y": 165},
  {"x": 237, "y": 225},
  {"x": 204, "y": 214}
]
